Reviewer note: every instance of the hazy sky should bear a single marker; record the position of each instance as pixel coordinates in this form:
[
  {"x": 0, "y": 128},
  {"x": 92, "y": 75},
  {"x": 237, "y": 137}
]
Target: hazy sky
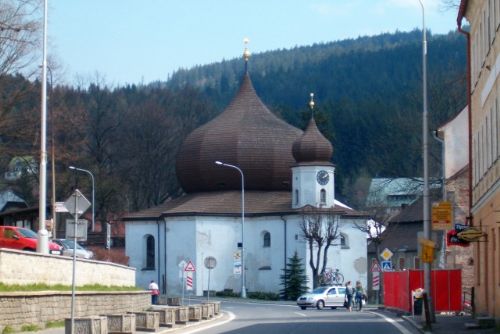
[{"x": 139, "y": 41}]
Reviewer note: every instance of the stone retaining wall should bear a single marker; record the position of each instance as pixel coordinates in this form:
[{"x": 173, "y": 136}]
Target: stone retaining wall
[
  {"x": 38, "y": 308},
  {"x": 20, "y": 267}
]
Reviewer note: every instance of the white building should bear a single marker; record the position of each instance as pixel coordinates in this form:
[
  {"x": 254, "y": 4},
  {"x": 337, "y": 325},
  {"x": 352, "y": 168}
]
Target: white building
[{"x": 284, "y": 169}]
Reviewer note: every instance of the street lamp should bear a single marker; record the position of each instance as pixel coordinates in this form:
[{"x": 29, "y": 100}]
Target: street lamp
[
  {"x": 93, "y": 191},
  {"x": 425, "y": 130},
  {"x": 243, "y": 289}
]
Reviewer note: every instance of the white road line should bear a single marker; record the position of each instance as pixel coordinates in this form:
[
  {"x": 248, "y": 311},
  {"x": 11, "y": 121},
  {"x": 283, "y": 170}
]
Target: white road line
[
  {"x": 396, "y": 324},
  {"x": 301, "y": 314},
  {"x": 202, "y": 328}
]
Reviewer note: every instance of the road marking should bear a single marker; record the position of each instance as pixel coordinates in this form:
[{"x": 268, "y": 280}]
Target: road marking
[
  {"x": 202, "y": 328},
  {"x": 301, "y": 314},
  {"x": 393, "y": 322}
]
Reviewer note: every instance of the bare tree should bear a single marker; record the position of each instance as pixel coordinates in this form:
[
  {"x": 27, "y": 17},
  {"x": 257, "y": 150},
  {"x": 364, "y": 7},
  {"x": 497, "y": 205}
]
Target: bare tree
[
  {"x": 19, "y": 34},
  {"x": 319, "y": 228}
]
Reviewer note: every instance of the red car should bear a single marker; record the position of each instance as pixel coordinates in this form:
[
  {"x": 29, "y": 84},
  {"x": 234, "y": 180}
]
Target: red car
[{"x": 23, "y": 239}]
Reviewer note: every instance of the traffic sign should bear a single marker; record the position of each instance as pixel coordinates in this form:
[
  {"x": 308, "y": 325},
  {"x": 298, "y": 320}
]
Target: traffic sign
[
  {"x": 189, "y": 266},
  {"x": 386, "y": 254},
  {"x": 375, "y": 267},
  {"x": 189, "y": 281},
  {"x": 386, "y": 265},
  {"x": 210, "y": 262},
  {"x": 376, "y": 281},
  {"x": 77, "y": 203}
]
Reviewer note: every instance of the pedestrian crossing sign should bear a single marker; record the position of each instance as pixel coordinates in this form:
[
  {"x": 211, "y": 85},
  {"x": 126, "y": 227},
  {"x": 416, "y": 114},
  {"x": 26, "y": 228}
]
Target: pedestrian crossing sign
[{"x": 386, "y": 265}]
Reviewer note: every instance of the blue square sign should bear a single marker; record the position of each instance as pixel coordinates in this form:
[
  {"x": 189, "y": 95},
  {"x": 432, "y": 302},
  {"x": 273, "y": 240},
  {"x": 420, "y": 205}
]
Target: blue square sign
[{"x": 386, "y": 265}]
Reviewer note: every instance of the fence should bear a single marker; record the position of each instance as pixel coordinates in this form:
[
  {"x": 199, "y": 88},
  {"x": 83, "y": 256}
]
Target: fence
[{"x": 446, "y": 289}]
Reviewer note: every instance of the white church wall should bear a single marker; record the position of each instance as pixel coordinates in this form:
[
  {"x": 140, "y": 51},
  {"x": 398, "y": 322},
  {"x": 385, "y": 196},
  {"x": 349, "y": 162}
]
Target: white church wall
[
  {"x": 135, "y": 248},
  {"x": 217, "y": 237}
]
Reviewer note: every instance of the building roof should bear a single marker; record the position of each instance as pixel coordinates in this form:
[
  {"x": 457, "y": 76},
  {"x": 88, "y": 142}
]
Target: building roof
[
  {"x": 246, "y": 135},
  {"x": 8, "y": 196},
  {"x": 312, "y": 146},
  {"x": 228, "y": 203}
]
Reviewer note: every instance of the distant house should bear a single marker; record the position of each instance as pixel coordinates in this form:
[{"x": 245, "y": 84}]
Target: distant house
[
  {"x": 9, "y": 200},
  {"x": 20, "y": 165},
  {"x": 394, "y": 193}
]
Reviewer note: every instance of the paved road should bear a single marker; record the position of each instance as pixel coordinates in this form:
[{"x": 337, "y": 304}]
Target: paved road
[{"x": 261, "y": 318}]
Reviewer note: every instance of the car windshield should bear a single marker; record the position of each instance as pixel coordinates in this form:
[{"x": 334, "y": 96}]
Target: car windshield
[
  {"x": 70, "y": 244},
  {"x": 27, "y": 233},
  {"x": 320, "y": 289}
]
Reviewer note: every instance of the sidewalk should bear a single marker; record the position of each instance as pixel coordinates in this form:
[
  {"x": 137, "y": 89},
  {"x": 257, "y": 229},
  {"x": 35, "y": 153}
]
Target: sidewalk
[{"x": 448, "y": 324}]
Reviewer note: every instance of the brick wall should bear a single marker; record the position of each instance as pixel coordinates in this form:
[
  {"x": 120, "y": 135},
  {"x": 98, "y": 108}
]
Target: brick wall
[{"x": 38, "y": 308}]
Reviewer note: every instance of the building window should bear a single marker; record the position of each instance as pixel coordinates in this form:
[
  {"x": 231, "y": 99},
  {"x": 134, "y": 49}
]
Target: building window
[
  {"x": 344, "y": 241},
  {"x": 150, "y": 252},
  {"x": 266, "y": 239},
  {"x": 296, "y": 197},
  {"x": 322, "y": 196}
]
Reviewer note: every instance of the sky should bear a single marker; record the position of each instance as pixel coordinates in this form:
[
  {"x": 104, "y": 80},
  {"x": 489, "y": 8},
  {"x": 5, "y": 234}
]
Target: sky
[{"x": 141, "y": 41}]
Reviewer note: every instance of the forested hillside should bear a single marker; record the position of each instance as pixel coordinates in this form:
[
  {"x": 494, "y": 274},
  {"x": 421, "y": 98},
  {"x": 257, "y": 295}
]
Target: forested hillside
[{"x": 368, "y": 97}]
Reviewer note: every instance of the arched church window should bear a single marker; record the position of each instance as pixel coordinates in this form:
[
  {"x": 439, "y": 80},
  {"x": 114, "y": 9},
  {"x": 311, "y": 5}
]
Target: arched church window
[
  {"x": 266, "y": 238},
  {"x": 322, "y": 196},
  {"x": 150, "y": 252},
  {"x": 344, "y": 241}
]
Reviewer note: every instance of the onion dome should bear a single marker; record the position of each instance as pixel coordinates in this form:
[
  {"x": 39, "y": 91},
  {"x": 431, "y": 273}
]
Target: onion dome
[
  {"x": 312, "y": 146},
  {"x": 246, "y": 135}
]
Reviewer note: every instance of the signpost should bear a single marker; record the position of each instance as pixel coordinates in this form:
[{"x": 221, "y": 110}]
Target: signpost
[
  {"x": 76, "y": 204},
  {"x": 210, "y": 263},
  {"x": 187, "y": 278}
]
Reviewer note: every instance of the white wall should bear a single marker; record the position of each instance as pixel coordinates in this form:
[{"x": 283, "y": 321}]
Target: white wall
[{"x": 456, "y": 143}]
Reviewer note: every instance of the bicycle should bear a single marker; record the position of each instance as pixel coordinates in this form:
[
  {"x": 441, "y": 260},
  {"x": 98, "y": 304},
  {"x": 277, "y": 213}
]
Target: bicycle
[{"x": 332, "y": 277}]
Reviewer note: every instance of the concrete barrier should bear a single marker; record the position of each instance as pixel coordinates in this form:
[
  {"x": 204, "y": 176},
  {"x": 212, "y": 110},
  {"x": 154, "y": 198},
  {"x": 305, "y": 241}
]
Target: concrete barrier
[
  {"x": 121, "y": 323},
  {"x": 87, "y": 325},
  {"x": 194, "y": 312},
  {"x": 167, "y": 314},
  {"x": 207, "y": 310},
  {"x": 181, "y": 314},
  {"x": 147, "y": 321},
  {"x": 216, "y": 306}
]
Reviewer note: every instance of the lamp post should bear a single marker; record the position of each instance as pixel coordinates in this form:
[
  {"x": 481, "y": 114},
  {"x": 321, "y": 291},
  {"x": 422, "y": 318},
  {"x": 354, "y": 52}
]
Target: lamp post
[
  {"x": 43, "y": 235},
  {"x": 93, "y": 191},
  {"x": 425, "y": 144},
  {"x": 243, "y": 289}
]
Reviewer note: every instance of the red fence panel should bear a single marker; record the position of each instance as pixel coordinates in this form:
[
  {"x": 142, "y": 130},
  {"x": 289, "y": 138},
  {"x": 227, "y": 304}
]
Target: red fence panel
[{"x": 446, "y": 287}]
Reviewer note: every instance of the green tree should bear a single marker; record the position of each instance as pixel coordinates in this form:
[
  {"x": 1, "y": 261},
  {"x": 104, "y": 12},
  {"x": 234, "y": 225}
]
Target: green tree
[{"x": 293, "y": 279}]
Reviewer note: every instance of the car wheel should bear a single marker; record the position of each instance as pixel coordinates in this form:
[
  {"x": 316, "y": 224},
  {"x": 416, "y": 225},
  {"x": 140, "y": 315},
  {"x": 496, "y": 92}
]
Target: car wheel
[
  {"x": 303, "y": 307},
  {"x": 29, "y": 250},
  {"x": 320, "y": 304},
  {"x": 333, "y": 307}
]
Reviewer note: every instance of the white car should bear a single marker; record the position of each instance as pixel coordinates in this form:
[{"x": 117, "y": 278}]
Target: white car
[
  {"x": 68, "y": 246},
  {"x": 323, "y": 296}
]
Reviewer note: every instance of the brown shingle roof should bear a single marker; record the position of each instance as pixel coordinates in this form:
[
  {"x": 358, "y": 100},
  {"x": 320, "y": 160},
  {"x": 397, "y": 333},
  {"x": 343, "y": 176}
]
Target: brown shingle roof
[
  {"x": 228, "y": 203},
  {"x": 247, "y": 135},
  {"x": 312, "y": 146}
]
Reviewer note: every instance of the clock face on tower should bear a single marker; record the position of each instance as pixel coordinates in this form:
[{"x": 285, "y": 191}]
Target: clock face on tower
[{"x": 322, "y": 177}]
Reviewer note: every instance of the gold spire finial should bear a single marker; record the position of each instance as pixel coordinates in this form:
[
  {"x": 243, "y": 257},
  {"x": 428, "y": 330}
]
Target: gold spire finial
[
  {"x": 311, "y": 102},
  {"x": 246, "y": 53}
]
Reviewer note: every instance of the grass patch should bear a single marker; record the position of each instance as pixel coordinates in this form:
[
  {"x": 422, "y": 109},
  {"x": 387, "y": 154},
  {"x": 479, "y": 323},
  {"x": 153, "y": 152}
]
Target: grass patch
[
  {"x": 30, "y": 328},
  {"x": 54, "y": 324},
  {"x": 8, "y": 330},
  {"x": 60, "y": 287}
]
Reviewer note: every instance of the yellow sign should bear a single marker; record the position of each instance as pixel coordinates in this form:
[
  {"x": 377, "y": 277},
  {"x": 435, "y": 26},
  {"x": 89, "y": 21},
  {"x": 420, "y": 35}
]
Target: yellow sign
[
  {"x": 442, "y": 216},
  {"x": 386, "y": 254},
  {"x": 427, "y": 250},
  {"x": 471, "y": 234}
]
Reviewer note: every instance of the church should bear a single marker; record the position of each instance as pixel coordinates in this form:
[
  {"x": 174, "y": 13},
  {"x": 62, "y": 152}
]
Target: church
[{"x": 248, "y": 177}]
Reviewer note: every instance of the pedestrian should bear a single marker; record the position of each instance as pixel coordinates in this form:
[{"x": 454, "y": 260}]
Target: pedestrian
[
  {"x": 349, "y": 292},
  {"x": 359, "y": 295},
  {"x": 155, "y": 291}
]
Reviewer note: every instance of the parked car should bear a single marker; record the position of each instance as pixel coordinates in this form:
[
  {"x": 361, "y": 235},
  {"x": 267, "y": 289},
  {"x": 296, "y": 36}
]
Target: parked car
[
  {"x": 23, "y": 239},
  {"x": 329, "y": 296},
  {"x": 68, "y": 246}
]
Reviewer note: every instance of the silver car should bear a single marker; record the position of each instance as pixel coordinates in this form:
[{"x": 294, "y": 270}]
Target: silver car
[
  {"x": 68, "y": 246},
  {"x": 329, "y": 296}
]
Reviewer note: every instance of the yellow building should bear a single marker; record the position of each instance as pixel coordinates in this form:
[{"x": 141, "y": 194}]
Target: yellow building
[{"x": 483, "y": 34}]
